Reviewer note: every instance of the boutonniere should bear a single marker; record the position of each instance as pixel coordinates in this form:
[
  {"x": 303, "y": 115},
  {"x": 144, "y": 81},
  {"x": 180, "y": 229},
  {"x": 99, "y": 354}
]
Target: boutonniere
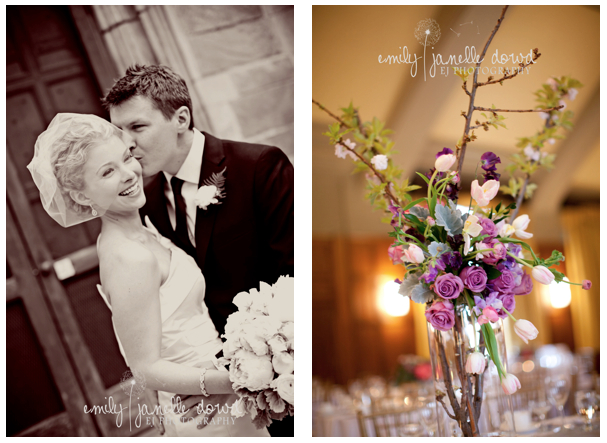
[{"x": 212, "y": 189}]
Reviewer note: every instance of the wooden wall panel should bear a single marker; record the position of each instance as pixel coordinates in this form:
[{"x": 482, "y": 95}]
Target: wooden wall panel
[{"x": 352, "y": 336}]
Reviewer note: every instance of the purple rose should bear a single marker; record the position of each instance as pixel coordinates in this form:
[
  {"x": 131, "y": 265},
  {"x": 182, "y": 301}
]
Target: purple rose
[
  {"x": 505, "y": 283},
  {"x": 507, "y": 303},
  {"x": 441, "y": 315},
  {"x": 448, "y": 286},
  {"x": 525, "y": 287},
  {"x": 474, "y": 278},
  {"x": 489, "y": 228}
]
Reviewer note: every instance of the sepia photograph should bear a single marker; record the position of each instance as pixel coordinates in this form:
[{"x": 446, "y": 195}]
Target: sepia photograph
[
  {"x": 150, "y": 221},
  {"x": 456, "y": 221}
]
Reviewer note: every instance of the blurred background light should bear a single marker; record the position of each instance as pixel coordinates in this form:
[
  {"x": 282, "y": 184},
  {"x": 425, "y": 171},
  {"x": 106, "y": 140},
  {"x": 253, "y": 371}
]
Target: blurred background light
[
  {"x": 560, "y": 294},
  {"x": 393, "y": 303}
]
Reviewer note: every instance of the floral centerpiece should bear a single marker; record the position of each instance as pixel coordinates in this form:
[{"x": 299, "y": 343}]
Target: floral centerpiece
[
  {"x": 412, "y": 368},
  {"x": 259, "y": 350},
  {"x": 466, "y": 266}
]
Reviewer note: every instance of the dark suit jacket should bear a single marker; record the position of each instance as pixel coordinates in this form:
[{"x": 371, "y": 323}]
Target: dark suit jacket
[{"x": 247, "y": 238}]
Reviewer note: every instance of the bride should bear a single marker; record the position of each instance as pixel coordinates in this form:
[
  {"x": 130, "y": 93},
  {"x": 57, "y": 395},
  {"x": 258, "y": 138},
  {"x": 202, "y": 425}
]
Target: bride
[{"x": 84, "y": 169}]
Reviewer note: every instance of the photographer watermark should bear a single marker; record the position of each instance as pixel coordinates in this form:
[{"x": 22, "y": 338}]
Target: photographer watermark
[
  {"x": 428, "y": 33},
  {"x": 133, "y": 384}
]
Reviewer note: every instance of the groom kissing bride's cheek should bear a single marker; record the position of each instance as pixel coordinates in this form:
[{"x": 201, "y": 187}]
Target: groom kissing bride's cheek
[{"x": 227, "y": 204}]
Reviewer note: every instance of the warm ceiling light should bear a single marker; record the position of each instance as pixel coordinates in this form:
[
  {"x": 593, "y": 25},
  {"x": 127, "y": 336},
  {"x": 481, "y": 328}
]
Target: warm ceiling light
[
  {"x": 393, "y": 303},
  {"x": 560, "y": 294}
]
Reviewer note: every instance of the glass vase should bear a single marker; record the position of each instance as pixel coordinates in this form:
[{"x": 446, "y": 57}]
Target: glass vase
[{"x": 469, "y": 405}]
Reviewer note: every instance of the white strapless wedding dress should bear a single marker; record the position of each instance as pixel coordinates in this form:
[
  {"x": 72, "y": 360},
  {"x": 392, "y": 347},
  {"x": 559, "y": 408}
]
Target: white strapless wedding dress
[{"x": 189, "y": 337}]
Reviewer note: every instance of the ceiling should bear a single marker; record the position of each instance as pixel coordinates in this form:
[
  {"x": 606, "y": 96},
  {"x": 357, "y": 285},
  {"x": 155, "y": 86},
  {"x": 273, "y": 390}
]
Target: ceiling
[{"x": 425, "y": 113}]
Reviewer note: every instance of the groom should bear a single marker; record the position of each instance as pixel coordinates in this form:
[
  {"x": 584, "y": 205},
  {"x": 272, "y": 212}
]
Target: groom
[{"x": 239, "y": 235}]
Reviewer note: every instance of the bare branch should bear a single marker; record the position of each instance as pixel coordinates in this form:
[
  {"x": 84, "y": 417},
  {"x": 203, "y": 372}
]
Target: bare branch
[
  {"x": 508, "y": 75},
  {"x": 341, "y": 122},
  {"x": 479, "y": 108},
  {"x": 461, "y": 151},
  {"x": 440, "y": 400}
]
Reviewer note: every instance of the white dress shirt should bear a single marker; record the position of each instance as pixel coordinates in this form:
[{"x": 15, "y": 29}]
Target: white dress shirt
[{"x": 189, "y": 173}]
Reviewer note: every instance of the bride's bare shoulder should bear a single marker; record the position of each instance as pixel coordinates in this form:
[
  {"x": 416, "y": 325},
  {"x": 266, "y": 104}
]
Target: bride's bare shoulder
[{"x": 125, "y": 263}]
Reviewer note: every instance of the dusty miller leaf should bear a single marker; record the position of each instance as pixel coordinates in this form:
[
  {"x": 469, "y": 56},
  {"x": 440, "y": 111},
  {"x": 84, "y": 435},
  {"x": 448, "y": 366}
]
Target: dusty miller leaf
[
  {"x": 408, "y": 284},
  {"x": 419, "y": 212},
  {"x": 421, "y": 294},
  {"x": 450, "y": 218}
]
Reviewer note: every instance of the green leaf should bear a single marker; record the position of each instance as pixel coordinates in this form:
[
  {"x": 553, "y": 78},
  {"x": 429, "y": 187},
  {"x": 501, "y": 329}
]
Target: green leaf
[
  {"x": 413, "y": 203},
  {"x": 414, "y": 221},
  {"x": 558, "y": 276},
  {"x": 492, "y": 343},
  {"x": 492, "y": 273},
  {"x": 426, "y": 179}
]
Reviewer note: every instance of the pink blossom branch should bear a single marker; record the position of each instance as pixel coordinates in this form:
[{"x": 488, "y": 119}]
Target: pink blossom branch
[
  {"x": 378, "y": 174},
  {"x": 387, "y": 190},
  {"x": 521, "y": 195}
]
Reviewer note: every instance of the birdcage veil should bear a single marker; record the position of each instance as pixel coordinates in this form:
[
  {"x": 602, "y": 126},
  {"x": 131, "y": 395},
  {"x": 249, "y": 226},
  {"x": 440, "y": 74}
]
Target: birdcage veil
[{"x": 56, "y": 146}]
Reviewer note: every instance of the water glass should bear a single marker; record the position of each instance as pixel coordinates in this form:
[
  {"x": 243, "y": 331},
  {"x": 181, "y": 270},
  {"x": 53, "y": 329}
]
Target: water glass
[
  {"x": 540, "y": 406},
  {"x": 427, "y": 410},
  {"x": 586, "y": 406},
  {"x": 558, "y": 392}
]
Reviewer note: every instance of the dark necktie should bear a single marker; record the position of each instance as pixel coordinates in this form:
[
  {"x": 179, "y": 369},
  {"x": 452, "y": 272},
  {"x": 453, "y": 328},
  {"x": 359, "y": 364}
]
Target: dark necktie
[{"x": 181, "y": 225}]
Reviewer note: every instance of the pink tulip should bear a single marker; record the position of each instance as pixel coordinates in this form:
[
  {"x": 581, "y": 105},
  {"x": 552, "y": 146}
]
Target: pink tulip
[
  {"x": 484, "y": 194},
  {"x": 510, "y": 384},
  {"x": 586, "y": 284},
  {"x": 414, "y": 254},
  {"x": 396, "y": 254},
  {"x": 525, "y": 330},
  {"x": 444, "y": 162},
  {"x": 542, "y": 274},
  {"x": 482, "y": 319},
  {"x": 491, "y": 314},
  {"x": 475, "y": 363}
]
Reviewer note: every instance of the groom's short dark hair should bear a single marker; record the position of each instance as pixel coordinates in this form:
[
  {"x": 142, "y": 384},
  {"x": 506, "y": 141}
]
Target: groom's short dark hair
[{"x": 166, "y": 89}]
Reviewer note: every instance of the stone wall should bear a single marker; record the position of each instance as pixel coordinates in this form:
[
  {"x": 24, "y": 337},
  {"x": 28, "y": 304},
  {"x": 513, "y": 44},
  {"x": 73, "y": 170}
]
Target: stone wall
[{"x": 236, "y": 60}]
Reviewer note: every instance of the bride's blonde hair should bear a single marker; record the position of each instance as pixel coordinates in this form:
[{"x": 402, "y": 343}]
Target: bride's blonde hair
[{"x": 69, "y": 154}]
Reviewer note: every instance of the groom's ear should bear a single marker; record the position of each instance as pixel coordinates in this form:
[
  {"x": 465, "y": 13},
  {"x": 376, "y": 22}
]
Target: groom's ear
[{"x": 183, "y": 119}]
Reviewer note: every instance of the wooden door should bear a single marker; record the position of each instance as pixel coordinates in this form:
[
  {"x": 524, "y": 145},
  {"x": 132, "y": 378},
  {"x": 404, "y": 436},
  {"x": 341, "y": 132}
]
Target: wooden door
[{"x": 61, "y": 349}]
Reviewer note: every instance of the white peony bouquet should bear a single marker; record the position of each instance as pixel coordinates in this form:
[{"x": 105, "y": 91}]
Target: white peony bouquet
[{"x": 259, "y": 349}]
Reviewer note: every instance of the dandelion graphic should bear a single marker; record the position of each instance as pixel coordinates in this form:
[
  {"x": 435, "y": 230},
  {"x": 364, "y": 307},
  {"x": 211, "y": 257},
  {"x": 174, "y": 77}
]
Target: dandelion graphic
[
  {"x": 132, "y": 382},
  {"x": 427, "y": 32}
]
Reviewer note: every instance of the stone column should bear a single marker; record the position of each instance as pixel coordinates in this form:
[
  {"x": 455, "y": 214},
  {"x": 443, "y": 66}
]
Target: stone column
[{"x": 144, "y": 35}]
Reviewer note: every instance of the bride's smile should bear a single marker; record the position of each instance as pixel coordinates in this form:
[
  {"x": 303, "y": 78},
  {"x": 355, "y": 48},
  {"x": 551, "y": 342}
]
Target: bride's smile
[
  {"x": 112, "y": 178},
  {"x": 131, "y": 191}
]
